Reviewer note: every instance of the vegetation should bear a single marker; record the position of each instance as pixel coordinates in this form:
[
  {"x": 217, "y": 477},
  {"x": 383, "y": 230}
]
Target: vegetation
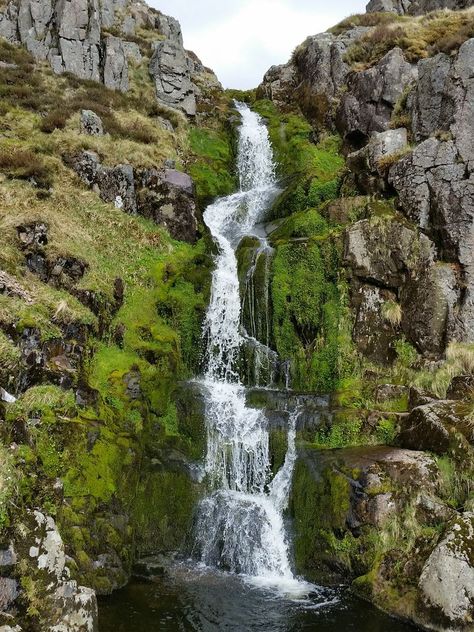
[{"x": 436, "y": 32}]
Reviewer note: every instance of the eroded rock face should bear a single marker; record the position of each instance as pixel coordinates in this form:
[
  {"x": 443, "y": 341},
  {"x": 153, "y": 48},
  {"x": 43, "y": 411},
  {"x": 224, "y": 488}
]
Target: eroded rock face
[
  {"x": 170, "y": 70},
  {"x": 447, "y": 581},
  {"x": 166, "y": 196},
  {"x": 371, "y": 96},
  {"x": 64, "y": 606}
]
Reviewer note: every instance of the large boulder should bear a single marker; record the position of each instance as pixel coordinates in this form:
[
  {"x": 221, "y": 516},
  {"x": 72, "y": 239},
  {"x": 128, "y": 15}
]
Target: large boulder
[
  {"x": 170, "y": 71},
  {"x": 371, "y": 96},
  {"x": 386, "y": 252},
  {"x": 447, "y": 581},
  {"x": 438, "y": 427},
  {"x": 167, "y": 197}
]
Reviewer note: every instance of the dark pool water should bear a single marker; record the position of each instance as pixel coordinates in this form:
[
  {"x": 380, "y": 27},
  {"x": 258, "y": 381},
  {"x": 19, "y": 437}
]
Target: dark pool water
[{"x": 190, "y": 599}]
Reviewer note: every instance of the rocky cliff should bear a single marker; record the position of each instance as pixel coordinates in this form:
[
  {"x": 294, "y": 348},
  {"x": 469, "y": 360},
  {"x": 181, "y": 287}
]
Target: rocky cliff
[
  {"x": 108, "y": 153},
  {"x": 388, "y": 235}
]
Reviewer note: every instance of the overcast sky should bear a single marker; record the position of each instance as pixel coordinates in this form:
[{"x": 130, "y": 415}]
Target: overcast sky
[{"x": 241, "y": 39}]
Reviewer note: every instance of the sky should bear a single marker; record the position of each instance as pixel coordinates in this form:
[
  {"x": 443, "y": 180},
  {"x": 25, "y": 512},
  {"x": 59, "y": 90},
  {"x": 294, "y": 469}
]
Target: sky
[{"x": 241, "y": 39}]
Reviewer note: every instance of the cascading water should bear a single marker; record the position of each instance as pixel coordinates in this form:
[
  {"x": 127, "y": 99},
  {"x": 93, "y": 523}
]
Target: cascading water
[{"x": 240, "y": 524}]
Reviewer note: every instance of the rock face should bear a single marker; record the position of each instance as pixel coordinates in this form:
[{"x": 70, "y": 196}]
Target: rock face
[
  {"x": 371, "y": 97},
  {"x": 416, "y": 7},
  {"x": 73, "y": 36},
  {"x": 64, "y": 606},
  {"x": 447, "y": 581},
  {"x": 165, "y": 196},
  {"x": 170, "y": 70}
]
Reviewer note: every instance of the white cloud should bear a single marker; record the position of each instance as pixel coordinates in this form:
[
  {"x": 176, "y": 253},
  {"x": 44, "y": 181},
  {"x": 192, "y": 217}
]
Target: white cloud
[{"x": 241, "y": 39}]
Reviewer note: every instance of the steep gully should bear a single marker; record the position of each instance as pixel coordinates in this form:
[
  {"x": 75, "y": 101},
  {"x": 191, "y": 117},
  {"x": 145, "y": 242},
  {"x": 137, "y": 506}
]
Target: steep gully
[{"x": 243, "y": 577}]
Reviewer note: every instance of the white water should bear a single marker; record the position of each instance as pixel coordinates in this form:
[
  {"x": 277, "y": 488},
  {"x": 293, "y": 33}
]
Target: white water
[{"x": 240, "y": 526}]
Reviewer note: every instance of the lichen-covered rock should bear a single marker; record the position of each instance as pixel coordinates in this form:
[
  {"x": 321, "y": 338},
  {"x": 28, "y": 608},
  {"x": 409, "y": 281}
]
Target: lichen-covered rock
[
  {"x": 386, "y": 252},
  {"x": 447, "y": 581},
  {"x": 369, "y": 163},
  {"x": 169, "y": 68},
  {"x": 373, "y": 334},
  {"x": 167, "y": 197},
  {"x": 371, "y": 96},
  {"x": 437, "y": 427},
  {"x": 115, "y": 64}
]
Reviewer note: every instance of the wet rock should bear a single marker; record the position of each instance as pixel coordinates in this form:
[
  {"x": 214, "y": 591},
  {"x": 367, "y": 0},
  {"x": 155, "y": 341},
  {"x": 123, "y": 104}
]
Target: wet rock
[
  {"x": 371, "y": 96},
  {"x": 65, "y": 606},
  {"x": 115, "y": 64},
  {"x": 132, "y": 384},
  {"x": 167, "y": 197},
  {"x": 373, "y": 334},
  {"x": 86, "y": 396},
  {"x": 154, "y": 566},
  {"x": 447, "y": 581},
  {"x": 91, "y": 124},
  {"x": 461, "y": 387},
  {"x": 169, "y": 69},
  {"x": 8, "y": 593}
]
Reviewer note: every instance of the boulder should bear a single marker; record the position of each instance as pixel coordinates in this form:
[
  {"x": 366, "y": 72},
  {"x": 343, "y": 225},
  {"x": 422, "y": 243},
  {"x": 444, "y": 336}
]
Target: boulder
[
  {"x": 371, "y": 96},
  {"x": 167, "y": 197},
  {"x": 386, "y": 252},
  {"x": 170, "y": 71},
  {"x": 447, "y": 581},
  {"x": 437, "y": 427},
  {"x": 278, "y": 84},
  {"x": 91, "y": 123},
  {"x": 8, "y": 593},
  {"x": 461, "y": 387},
  {"x": 33, "y": 236}
]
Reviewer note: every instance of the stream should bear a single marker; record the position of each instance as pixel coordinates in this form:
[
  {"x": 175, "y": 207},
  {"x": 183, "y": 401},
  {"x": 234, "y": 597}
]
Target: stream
[{"x": 241, "y": 574}]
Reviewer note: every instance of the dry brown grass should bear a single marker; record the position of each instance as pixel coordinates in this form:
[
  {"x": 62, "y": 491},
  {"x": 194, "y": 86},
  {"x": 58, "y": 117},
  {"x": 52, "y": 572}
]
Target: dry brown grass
[{"x": 425, "y": 36}]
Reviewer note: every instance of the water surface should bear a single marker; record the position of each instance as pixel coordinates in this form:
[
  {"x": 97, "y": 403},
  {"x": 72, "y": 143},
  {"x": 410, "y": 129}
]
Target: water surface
[{"x": 189, "y": 599}]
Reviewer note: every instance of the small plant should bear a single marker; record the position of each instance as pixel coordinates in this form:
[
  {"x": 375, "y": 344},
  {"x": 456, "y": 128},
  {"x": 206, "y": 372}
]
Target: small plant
[
  {"x": 56, "y": 119},
  {"x": 406, "y": 353},
  {"x": 392, "y": 312}
]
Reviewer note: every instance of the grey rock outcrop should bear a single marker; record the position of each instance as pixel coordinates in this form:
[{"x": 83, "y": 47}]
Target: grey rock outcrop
[
  {"x": 447, "y": 580},
  {"x": 165, "y": 196},
  {"x": 371, "y": 96},
  {"x": 416, "y": 7},
  {"x": 91, "y": 124},
  {"x": 170, "y": 70},
  {"x": 115, "y": 64},
  {"x": 74, "y": 36}
]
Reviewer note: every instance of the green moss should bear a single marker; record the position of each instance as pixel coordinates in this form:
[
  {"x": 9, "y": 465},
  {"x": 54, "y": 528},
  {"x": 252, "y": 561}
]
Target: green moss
[
  {"x": 309, "y": 313},
  {"x": 344, "y": 431},
  {"x": 212, "y": 169}
]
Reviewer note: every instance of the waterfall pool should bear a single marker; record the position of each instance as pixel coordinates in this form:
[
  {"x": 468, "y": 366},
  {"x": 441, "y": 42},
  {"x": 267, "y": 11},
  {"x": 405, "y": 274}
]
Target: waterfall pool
[{"x": 194, "y": 599}]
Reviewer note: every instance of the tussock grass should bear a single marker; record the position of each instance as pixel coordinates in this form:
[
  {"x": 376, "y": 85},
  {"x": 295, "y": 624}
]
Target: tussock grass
[
  {"x": 440, "y": 31},
  {"x": 392, "y": 312}
]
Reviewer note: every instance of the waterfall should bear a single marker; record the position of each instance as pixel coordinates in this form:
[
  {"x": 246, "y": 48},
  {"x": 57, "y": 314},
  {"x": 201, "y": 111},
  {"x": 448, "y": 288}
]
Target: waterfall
[{"x": 240, "y": 526}]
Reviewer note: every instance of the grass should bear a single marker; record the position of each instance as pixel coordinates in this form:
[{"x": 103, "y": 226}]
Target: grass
[
  {"x": 392, "y": 312},
  {"x": 419, "y": 38},
  {"x": 8, "y": 484}
]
